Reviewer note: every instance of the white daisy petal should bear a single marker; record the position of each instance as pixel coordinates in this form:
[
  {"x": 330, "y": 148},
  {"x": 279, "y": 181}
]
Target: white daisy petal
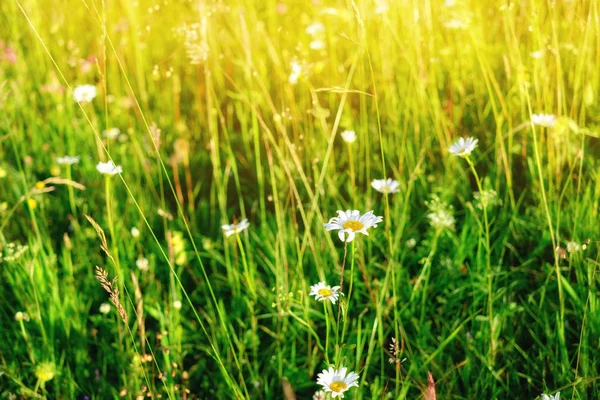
[
  {"x": 337, "y": 382},
  {"x": 109, "y": 168},
  {"x": 463, "y": 147},
  {"x": 350, "y": 222},
  {"x": 233, "y": 229}
]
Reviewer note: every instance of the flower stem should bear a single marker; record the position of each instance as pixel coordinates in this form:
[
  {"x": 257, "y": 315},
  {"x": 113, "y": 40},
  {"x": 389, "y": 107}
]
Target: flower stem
[{"x": 490, "y": 277}]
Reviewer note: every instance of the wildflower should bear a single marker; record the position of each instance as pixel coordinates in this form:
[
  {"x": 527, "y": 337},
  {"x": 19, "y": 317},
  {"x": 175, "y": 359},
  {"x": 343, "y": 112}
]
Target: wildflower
[
  {"x": 545, "y": 120},
  {"x": 296, "y": 72},
  {"x": 463, "y": 147},
  {"x": 135, "y": 232},
  {"x": 550, "y": 397},
  {"x": 45, "y": 371},
  {"x": 111, "y": 133},
  {"x": 487, "y": 199},
  {"x": 142, "y": 264},
  {"x": 351, "y": 222},
  {"x": 233, "y": 229},
  {"x": 317, "y": 45},
  {"x": 109, "y": 168},
  {"x": 456, "y": 24},
  {"x": 573, "y": 247},
  {"x": 12, "y": 251},
  {"x": 177, "y": 305},
  {"x": 315, "y": 29},
  {"x": 536, "y": 54},
  {"x": 323, "y": 292},
  {"x": 337, "y": 382},
  {"x": 21, "y": 316},
  {"x": 7, "y": 53},
  {"x": 349, "y": 136},
  {"x": 441, "y": 215},
  {"x": 104, "y": 308},
  {"x": 68, "y": 160},
  {"x": 410, "y": 243},
  {"x": 84, "y": 93},
  {"x": 3, "y": 173},
  {"x": 319, "y": 395},
  {"x": 179, "y": 244},
  {"x": 381, "y": 7},
  {"x": 388, "y": 185}
]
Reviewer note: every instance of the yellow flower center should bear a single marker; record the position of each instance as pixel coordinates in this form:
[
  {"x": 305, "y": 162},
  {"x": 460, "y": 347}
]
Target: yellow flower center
[
  {"x": 353, "y": 225},
  {"x": 337, "y": 386},
  {"x": 325, "y": 292}
]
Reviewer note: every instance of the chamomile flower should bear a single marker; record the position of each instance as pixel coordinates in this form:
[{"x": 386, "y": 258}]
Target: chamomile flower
[
  {"x": 68, "y": 160},
  {"x": 573, "y": 247},
  {"x": 104, "y": 308},
  {"x": 84, "y": 93},
  {"x": 296, "y": 72},
  {"x": 109, "y": 168},
  {"x": 536, "y": 54},
  {"x": 350, "y": 222},
  {"x": 111, "y": 133},
  {"x": 233, "y": 229},
  {"x": 388, "y": 185},
  {"x": 21, "y": 316},
  {"x": 441, "y": 215},
  {"x": 323, "y": 292},
  {"x": 545, "y": 120},
  {"x": 142, "y": 264},
  {"x": 349, "y": 136},
  {"x": 315, "y": 28},
  {"x": 463, "y": 147},
  {"x": 317, "y": 45},
  {"x": 550, "y": 397},
  {"x": 336, "y": 381},
  {"x": 319, "y": 395}
]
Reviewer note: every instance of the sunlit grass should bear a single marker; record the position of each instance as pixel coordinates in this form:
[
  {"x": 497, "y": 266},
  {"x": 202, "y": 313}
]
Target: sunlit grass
[{"x": 164, "y": 231}]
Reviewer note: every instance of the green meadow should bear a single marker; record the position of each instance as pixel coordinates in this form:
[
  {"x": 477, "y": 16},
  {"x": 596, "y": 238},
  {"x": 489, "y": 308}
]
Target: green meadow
[{"x": 299, "y": 199}]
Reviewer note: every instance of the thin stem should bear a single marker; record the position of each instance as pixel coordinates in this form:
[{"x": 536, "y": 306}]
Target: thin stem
[{"x": 490, "y": 277}]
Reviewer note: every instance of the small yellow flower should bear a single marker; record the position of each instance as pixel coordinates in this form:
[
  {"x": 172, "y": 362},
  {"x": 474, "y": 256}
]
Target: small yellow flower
[
  {"x": 32, "y": 203},
  {"x": 40, "y": 185},
  {"x": 45, "y": 371}
]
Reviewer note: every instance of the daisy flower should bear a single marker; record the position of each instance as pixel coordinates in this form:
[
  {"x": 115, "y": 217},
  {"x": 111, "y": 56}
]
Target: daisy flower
[
  {"x": 349, "y": 136},
  {"x": 545, "y": 120},
  {"x": 68, "y": 160},
  {"x": 109, "y": 168},
  {"x": 235, "y": 228},
  {"x": 317, "y": 45},
  {"x": 323, "y": 292},
  {"x": 104, "y": 308},
  {"x": 142, "y": 264},
  {"x": 84, "y": 93},
  {"x": 315, "y": 28},
  {"x": 296, "y": 72},
  {"x": 463, "y": 147},
  {"x": 547, "y": 397},
  {"x": 536, "y": 54},
  {"x": 388, "y": 185},
  {"x": 351, "y": 222},
  {"x": 111, "y": 133},
  {"x": 336, "y": 381},
  {"x": 319, "y": 395}
]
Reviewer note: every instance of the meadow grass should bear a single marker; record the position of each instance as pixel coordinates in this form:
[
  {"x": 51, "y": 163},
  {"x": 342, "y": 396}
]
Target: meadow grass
[{"x": 480, "y": 281}]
